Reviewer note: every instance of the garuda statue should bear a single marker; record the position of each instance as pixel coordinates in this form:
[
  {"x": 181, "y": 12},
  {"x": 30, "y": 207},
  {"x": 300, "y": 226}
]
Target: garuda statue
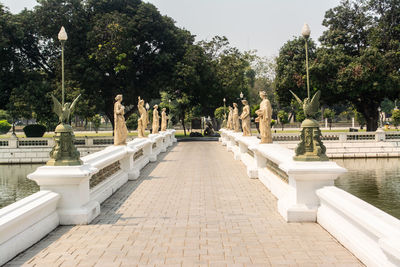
[
  {"x": 64, "y": 112},
  {"x": 310, "y": 147},
  {"x": 310, "y": 107}
]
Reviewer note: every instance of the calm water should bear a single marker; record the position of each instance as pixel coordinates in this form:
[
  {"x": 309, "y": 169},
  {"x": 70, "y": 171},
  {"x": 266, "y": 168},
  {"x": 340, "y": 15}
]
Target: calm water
[
  {"x": 13, "y": 182},
  {"x": 376, "y": 181}
]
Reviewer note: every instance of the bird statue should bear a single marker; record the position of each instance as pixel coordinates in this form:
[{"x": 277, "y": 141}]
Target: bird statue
[
  {"x": 310, "y": 107},
  {"x": 63, "y": 112}
]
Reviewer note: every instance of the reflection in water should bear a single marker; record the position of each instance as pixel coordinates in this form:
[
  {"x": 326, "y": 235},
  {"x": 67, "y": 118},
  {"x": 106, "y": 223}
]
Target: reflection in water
[
  {"x": 13, "y": 182},
  {"x": 376, "y": 181}
]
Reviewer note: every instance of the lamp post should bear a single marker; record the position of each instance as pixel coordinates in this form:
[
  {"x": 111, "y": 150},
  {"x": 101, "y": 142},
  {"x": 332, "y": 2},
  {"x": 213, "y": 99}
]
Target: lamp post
[
  {"x": 64, "y": 152},
  {"x": 306, "y": 34},
  {"x": 62, "y": 36},
  {"x": 224, "y": 106},
  {"x": 147, "y": 106},
  {"x": 241, "y": 95},
  {"x": 224, "y": 121},
  {"x": 380, "y": 124},
  {"x": 310, "y": 147},
  {"x": 169, "y": 115}
]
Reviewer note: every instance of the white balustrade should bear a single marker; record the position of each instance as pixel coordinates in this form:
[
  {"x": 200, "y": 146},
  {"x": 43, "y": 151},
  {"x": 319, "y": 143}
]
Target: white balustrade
[
  {"x": 26, "y": 221},
  {"x": 306, "y": 192},
  {"x": 72, "y": 195},
  {"x": 293, "y": 182},
  {"x": 369, "y": 233}
]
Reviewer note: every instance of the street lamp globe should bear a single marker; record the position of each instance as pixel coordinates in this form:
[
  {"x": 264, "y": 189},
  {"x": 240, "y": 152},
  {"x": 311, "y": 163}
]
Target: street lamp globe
[
  {"x": 305, "y": 31},
  {"x": 147, "y": 106},
  {"x": 241, "y": 95},
  {"x": 62, "y": 35}
]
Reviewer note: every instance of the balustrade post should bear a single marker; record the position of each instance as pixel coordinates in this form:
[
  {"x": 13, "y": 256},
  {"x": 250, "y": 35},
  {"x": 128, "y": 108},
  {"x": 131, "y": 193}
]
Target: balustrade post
[
  {"x": 380, "y": 135},
  {"x": 127, "y": 165},
  {"x": 72, "y": 184},
  {"x": 13, "y": 142},
  {"x": 300, "y": 204},
  {"x": 342, "y": 137},
  {"x": 88, "y": 141}
]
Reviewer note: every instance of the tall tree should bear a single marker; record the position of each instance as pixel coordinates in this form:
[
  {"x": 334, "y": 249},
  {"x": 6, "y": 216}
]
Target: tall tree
[
  {"x": 351, "y": 66},
  {"x": 291, "y": 70},
  {"x": 363, "y": 71}
]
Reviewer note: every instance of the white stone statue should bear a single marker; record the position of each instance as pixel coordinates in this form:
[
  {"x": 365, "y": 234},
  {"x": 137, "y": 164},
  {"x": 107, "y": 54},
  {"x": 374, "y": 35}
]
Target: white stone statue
[
  {"x": 164, "y": 118},
  {"x": 264, "y": 119},
  {"x": 120, "y": 130},
  {"x": 245, "y": 117},
  {"x": 156, "y": 120},
  {"x": 235, "y": 118},
  {"x": 143, "y": 119}
]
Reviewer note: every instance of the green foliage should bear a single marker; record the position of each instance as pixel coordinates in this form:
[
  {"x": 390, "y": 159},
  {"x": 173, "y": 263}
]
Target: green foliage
[
  {"x": 330, "y": 115},
  {"x": 34, "y": 130},
  {"x": 4, "y": 115},
  {"x": 96, "y": 120},
  {"x": 359, "y": 117},
  {"x": 358, "y": 60},
  {"x": 347, "y": 114},
  {"x": 253, "y": 109},
  {"x": 273, "y": 122},
  {"x": 300, "y": 115},
  {"x": 4, "y": 126},
  {"x": 283, "y": 117},
  {"x": 219, "y": 113},
  {"x": 291, "y": 70},
  {"x": 387, "y": 106},
  {"x": 396, "y": 117},
  {"x": 132, "y": 121}
]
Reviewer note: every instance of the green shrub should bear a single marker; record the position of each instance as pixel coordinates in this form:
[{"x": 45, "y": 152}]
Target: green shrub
[
  {"x": 4, "y": 126},
  {"x": 283, "y": 117},
  {"x": 396, "y": 117},
  {"x": 4, "y": 115},
  {"x": 219, "y": 113},
  {"x": 34, "y": 130},
  {"x": 96, "y": 120},
  {"x": 132, "y": 122}
]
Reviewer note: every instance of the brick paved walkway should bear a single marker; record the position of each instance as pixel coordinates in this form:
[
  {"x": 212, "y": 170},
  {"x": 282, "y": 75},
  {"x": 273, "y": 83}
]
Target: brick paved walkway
[{"x": 194, "y": 207}]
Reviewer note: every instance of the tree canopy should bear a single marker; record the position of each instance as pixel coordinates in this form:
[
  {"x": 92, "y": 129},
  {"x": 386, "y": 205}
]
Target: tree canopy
[{"x": 355, "y": 64}]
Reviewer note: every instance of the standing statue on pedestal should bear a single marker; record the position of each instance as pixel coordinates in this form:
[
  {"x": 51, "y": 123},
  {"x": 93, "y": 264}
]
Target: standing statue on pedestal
[
  {"x": 235, "y": 116},
  {"x": 264, "y": 119},
  {"x": 164, "y": 120},
  {"x": 120, "y": 130},
  {"x": 245, "y": 117},
  {"x": 156, "y": 120},
  {"x": 229, "y": 124},
  {"x": 143, "y": 119}
]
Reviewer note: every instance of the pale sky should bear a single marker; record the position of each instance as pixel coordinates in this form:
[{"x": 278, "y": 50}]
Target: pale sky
[{"x": 263, "y": 25}]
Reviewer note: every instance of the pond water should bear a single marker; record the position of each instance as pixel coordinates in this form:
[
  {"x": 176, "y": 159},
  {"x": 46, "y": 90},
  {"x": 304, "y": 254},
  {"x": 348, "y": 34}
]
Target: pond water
[
  {"x": 13, "y": 182},
  {"x": 376, "y": 181}
]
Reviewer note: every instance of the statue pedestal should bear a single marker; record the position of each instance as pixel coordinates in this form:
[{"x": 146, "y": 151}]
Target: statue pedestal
[
  {"x": 64, "y": 152},
  {"x": 72, "y": 184},
  {"x": 310, "y": 147}
]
